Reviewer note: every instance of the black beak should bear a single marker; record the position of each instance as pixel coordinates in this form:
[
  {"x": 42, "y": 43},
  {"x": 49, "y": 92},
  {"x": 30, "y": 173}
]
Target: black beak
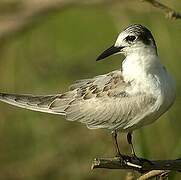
[{"x": 108, "y": 52}]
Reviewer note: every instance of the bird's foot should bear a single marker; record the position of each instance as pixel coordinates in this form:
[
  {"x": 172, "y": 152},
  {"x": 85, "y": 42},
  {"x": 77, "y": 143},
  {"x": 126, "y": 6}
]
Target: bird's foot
[{"x": 122, "y": 158}]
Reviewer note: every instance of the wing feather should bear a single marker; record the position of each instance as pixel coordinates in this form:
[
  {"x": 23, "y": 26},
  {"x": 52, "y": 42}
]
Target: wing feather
[
  {"x": 108, "y": 116},
  {"x": 100, "y": 102}
]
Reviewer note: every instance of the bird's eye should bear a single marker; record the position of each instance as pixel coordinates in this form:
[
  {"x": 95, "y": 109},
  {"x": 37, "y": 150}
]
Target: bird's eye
[{"x": 130, "y": 38}]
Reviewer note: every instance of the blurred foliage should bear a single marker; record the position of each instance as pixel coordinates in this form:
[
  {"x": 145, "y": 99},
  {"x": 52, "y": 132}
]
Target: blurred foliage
[
  {"x": 46, "y": 60},
  {"x": 10, "y": 6}
]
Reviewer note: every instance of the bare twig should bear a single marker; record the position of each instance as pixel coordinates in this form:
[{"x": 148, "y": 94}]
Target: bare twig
[
  {"x": 137, "y": 164},
  {"x": 155, "y": 173},
  {"x": 170, "y": 13}
]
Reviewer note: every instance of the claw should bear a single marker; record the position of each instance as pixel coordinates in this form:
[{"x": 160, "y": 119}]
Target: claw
[{"x": 122, "y": 158}]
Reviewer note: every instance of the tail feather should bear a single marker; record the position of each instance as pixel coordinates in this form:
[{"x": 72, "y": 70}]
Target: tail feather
[{"x": 35, "y": 103}]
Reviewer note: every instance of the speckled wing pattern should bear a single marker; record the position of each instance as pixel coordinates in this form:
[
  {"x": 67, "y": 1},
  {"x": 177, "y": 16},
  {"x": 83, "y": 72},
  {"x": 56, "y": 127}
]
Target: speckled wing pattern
[{"x": 100, "y": 102}]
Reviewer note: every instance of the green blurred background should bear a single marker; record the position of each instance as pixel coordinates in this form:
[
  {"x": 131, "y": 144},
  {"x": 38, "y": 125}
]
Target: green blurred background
[{"x": 46, "y": 59}]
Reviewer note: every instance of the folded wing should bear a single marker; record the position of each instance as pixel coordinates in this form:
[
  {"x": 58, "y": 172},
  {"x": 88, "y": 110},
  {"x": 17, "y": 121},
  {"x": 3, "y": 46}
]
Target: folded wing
[{"x": 100, "y": 102}]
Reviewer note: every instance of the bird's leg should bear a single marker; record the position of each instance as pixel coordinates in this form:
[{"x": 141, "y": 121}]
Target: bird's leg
[
  {"x": 116, "y": 148},
  {"x": 115, "y": 143},
  {"x": 129, "y": 139}
]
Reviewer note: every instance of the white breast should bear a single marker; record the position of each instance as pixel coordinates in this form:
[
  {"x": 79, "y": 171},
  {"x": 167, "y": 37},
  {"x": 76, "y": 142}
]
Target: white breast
[{"x": 147, "y": 74}]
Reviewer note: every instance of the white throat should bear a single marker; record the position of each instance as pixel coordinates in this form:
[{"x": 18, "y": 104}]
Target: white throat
[{"x": 137, "y": 65}]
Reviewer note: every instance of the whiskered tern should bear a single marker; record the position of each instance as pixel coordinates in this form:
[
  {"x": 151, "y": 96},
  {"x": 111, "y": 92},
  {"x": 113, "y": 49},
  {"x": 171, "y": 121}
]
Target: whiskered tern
[{"x": 122, "y": 100}]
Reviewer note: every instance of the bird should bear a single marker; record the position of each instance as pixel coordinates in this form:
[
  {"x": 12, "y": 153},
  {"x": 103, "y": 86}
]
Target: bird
[{"x": 126, "y": 99}]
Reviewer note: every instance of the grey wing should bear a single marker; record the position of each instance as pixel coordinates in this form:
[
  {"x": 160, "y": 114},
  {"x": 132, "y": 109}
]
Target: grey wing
[
  {"x": 111, "y": 112},
  {"x": 57, "y": 104},
  {"x": 100, "y": 102},
  {"x": 105, "y": 103}
]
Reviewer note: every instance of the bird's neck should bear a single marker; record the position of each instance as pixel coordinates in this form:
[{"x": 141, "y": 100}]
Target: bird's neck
[{"x": 139, "y": 65}]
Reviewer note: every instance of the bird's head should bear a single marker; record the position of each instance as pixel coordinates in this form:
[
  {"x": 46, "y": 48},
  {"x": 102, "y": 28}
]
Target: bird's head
[{"x": 134, "y": 39}]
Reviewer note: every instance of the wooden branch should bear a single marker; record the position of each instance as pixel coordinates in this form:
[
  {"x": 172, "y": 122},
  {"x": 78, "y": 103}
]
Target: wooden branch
[
  {"x": 154, "y": 173},
  {"x": 170, "y": 13},
  {"x": 138, "y": 164}
]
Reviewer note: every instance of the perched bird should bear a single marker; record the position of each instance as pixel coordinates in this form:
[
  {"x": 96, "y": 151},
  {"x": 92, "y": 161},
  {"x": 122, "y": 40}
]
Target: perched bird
[{"x": 122, "y": 100}]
